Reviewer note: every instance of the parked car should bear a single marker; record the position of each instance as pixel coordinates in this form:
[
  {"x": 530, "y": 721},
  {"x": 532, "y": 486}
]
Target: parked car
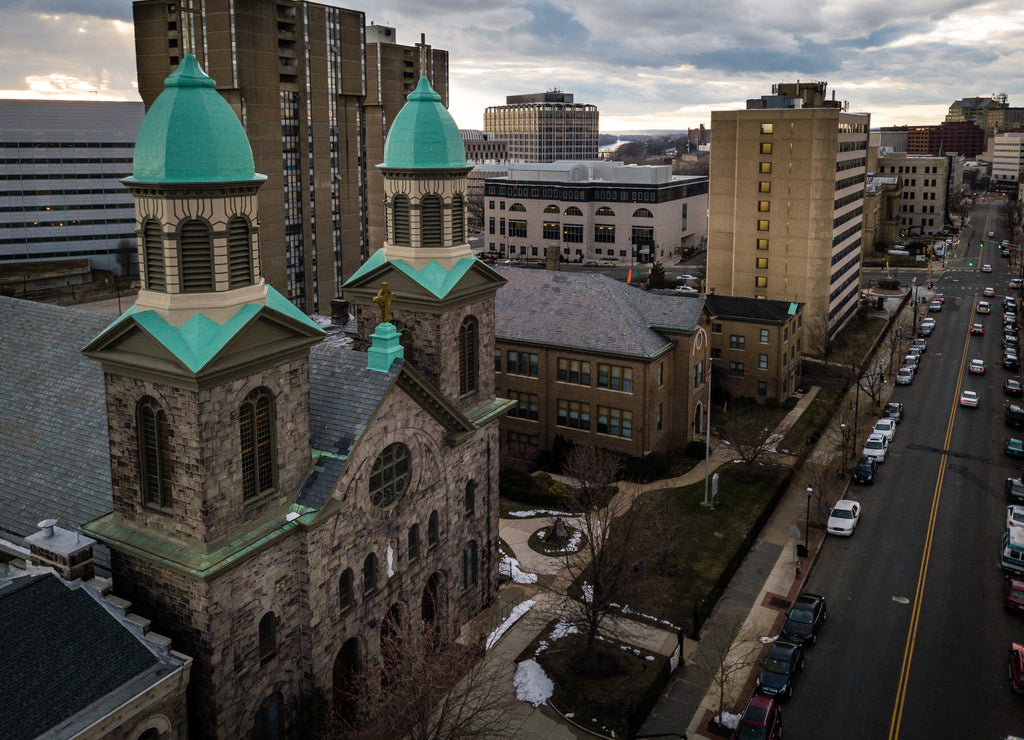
[
  {"x": 1015, "y": 515},
  {"x": 805, "y": 618},
  {"x": 1015, "y": 283},
  {"x": 1014, "y": 415},
  {"x": 1011, "y": 556},
  {"x": 1013, "y": 594},
  {"x": 1010, "y": 360},
  {"x": 1012, "y": 387},
  {"x": 761, "y": 720},
  {"x": 905, "y": 376},
  {"x": 1014, "y": 489},
  {"x": 886, "y": 427},
  {"x": 1017, "y": 667},
  {"x": 934, "y": 306},
  {"x": 969, "y": 398},
  {"x": 984, "y": 307},
  {"x": 977, "y": 329},
  {"x": 940, "y": 297},
  {"x": 876, "y": 447},
  {"x": 927, "y": 328},
  {"x": 782, "y": 666},
  {"x": 843, "y": 518},
  {"x": 921, "y": 344},
  {"x": 1013, "y": 447},
  {"x": 893, "y": 410},
  {"x": 977, "y": 367},
  {"x": 865, "y": 470}
]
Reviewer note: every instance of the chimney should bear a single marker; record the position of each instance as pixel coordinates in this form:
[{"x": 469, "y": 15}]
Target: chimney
[{"x": 67, "y": 552}]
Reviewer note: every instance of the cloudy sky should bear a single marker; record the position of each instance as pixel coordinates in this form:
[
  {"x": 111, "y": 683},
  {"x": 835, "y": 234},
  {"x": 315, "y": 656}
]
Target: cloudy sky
[{"x": 646, "y": 64}]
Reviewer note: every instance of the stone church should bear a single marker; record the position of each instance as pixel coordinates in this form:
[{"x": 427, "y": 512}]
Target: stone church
[{"x": 279, "y": 504}]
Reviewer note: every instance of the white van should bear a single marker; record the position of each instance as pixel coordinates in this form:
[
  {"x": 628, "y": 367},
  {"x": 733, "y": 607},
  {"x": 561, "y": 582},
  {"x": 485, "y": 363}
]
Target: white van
[{"x": 1011, "y": 557}]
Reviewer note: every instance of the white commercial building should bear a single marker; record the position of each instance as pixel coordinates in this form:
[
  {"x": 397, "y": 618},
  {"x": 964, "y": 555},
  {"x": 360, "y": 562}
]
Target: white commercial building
[
  {"x": 1007, "y": 162},
  {"x": 595, "y": 210},
  {"x": 61, "y": 163}
]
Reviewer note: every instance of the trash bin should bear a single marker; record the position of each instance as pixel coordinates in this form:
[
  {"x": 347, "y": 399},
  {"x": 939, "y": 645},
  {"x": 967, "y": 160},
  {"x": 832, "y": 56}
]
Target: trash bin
[{"x": 801, "y": 551}]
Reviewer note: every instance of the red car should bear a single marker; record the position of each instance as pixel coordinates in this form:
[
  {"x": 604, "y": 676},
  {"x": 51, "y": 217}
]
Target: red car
[
  {"x": 762, "y": 719},
  {"x": 1013, "y": 594},
  {"x": 1016, "y": 667},
  {"x": 939, "y": 297}
]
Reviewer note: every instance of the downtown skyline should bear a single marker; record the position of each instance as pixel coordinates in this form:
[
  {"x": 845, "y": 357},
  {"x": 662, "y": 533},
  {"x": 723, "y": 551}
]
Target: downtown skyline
[{"x": 904, "y": 64}]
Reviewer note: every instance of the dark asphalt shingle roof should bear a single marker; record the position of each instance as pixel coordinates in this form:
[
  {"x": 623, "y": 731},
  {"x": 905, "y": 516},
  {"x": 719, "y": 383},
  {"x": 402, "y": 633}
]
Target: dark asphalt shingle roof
[
  {"x": 62, "y": 651},
  {"x": 589, "y": 312},
  {"x": 54, "y": 457},
  {"x": 754, "y": 309}
]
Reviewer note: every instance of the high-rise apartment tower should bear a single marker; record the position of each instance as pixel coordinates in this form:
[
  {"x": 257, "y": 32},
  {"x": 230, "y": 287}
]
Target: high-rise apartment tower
[
  {"x": 315, "y": 89},
  {"x": 785, "y": 204}
]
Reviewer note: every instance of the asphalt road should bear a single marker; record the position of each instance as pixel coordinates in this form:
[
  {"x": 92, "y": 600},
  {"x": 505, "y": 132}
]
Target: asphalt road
[{"x": 916, "y": 641}]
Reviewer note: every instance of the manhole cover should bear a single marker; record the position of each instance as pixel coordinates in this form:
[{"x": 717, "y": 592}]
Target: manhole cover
[{"x": 778, "y": 603}]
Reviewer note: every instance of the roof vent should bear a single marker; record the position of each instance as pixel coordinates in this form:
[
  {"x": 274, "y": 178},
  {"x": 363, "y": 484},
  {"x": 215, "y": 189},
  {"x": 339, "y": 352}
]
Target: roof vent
[{"x": 47, "y": 526}]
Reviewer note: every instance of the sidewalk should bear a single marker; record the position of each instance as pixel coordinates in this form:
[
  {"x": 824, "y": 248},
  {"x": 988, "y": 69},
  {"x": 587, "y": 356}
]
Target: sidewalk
[{"x": 681, "y": 700}]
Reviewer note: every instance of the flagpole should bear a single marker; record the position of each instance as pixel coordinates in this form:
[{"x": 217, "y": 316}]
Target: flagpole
[{"x": 707, "y": 437}]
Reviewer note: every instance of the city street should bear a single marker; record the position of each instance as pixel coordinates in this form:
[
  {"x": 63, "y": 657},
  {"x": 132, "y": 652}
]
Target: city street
[{"x": 917, "y": 638}]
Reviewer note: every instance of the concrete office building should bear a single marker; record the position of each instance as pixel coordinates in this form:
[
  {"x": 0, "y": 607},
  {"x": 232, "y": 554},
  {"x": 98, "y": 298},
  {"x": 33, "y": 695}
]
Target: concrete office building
[
  {"x": 1008, "y": 162},
  {"x": 785, "y": 205},
  {"x": 598, "y": 210},
  {"x": 60, "y": 195},
  {"x": 925, "y": 185},
  {"x": 545, "y": 127},
  {"x": 315, "y": 90}
]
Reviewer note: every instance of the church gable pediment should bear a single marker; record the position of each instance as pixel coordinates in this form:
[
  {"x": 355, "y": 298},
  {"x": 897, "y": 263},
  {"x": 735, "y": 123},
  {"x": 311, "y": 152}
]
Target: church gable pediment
[{"x": 430, "y": 285}]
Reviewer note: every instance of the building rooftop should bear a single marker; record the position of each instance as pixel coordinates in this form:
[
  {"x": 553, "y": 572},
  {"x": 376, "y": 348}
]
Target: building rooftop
[
  {"x": 751, "y": 309},
  {"x": 589, "y": 312},
  {"x": 424, "y": 134},
  {"x": 190, "y": 134},
  {"x": 67, "y": 659},
  {"x": 597, "y": 171}
]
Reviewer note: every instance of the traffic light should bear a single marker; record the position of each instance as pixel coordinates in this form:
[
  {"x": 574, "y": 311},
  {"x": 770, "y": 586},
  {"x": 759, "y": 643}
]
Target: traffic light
[{"x": 971, "y": 263}]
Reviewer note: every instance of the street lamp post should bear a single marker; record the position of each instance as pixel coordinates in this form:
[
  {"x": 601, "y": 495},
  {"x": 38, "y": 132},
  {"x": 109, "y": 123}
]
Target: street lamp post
[
  {"x": 807, "y": 524},
  {"x": 842, "y": 433}
]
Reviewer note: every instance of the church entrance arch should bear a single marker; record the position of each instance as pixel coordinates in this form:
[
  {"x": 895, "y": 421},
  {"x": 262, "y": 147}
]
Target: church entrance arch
[{"x": 348, "y": 667}]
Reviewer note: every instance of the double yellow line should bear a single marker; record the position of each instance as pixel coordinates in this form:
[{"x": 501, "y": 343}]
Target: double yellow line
[{"x": 908, "y": 650}]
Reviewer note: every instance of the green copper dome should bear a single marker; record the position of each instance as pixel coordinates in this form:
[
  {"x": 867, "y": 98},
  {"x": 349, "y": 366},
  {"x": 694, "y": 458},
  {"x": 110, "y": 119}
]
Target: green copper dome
[
  {"x": 190, "y": 134},
  {"x": 424, "y": 134}
]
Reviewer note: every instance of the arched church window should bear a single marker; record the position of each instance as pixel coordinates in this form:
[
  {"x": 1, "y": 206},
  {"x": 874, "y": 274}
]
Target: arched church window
[
  {"x": 414, "y": 542},
  {"x": 268, "y": 637},
  {"x": 153, "y": 255},
  {"x": 470, "y": 497},
  {"x": 431, "y": 222},
  {"x": 468, "y": 351},
  {"x": 370, "y": 574},
  {"x": 390, "y": 475},
  {"x": 256, "y": 430},
  {"x": 346, "y": 592},
  {"x": 469, "y": 558},
  {"x": 433, "y": 530},
  {"x": 239, "y": 253},
  {"x": 196, "y": 257},
  {"x": 458, "y": 219},
  {"x": 400, "y": 217},
  {"x": 268, "y": 724},
  {"x": 154, "y": 453}
]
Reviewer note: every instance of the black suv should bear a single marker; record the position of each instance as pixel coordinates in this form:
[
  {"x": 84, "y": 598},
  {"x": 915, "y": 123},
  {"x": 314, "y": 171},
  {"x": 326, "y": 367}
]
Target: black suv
[{"x": 805, "y": 617}]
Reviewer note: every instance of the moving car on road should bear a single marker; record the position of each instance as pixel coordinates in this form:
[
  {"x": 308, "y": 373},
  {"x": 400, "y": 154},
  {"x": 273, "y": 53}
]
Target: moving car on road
[
  {"x": 969, "y": 398},
  {"x": 984, "y": 307},
  {"x": 989, "y": 292},
  {"x": 977, "y": 329},
  {"x": 986, "y": 268},
  {"x": 843, "y": 518},
  {"x": 805, "y": 618},
  {"x": 977, "y": 367}
]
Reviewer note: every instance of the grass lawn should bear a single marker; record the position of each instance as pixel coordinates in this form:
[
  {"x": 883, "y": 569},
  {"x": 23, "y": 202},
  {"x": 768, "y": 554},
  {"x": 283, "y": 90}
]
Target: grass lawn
[
  {"x": 856, "y": 338},
  {"x": 813, "y": 419},
  {"x": 686, "y": 545},
  {"x": 598, "y": 689}
]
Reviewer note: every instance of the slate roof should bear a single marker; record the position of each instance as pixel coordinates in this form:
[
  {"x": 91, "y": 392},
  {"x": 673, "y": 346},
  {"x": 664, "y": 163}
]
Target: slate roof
[
  {"x": 62, "y": 652},
  {"x": 752, "y": 309},
  {"x": 589, "y": 312},
  {"x": 343, "y": 397},
  {"x": 54, "y": 457}
]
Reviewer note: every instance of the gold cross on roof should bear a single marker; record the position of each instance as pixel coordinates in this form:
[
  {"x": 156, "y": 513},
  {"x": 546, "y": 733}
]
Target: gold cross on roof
[{"x": 383, "y": 299}]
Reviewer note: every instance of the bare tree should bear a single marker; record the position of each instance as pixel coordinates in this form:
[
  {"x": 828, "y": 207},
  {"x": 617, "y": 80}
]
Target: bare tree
[
  {"x": 602, "y": 567},
  {"x": 475, "y": 210},
  {"x": 872, "y": 382},
  {"x": 428, "y": 687},
  {"x": 749, "y": 434},
  {"x": 894, "y": 341},
  {"x": 724, "y": 658},
  {"x": 826, "y": 478}
]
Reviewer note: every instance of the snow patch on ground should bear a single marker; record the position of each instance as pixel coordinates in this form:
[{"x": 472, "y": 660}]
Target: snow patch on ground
[
  {"x": 528, "y": 513},
  {"x": 518, "y": 611},
  {"x": 727, "y": 719},
  {"x": 768, "y": 640},
  {"x": 532, "y": 684},
  {"x": 511, "y": 565}
]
